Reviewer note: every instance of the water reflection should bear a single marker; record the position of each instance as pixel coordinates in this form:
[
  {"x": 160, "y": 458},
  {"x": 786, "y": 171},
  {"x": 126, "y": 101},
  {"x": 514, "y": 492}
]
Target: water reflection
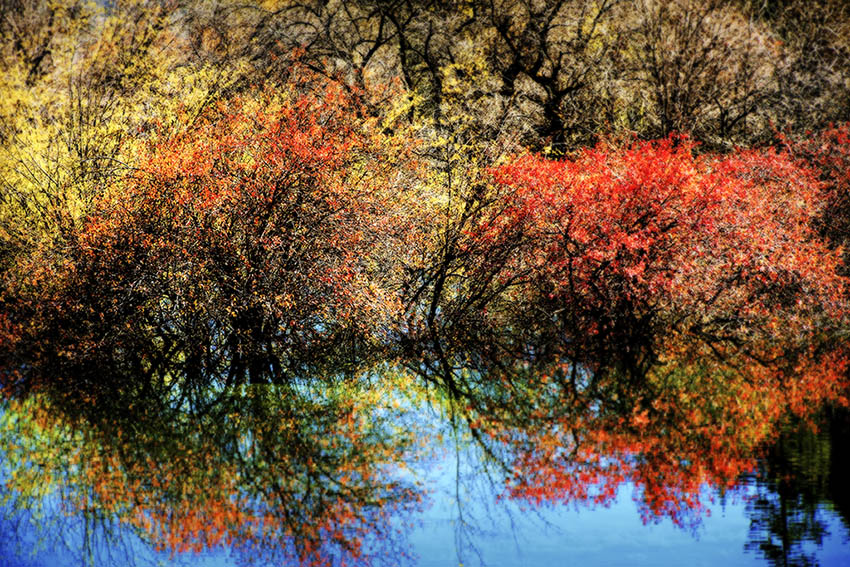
[
  {"x": 290, "y": 476},
  {"x": 154, "y": 435},
  {"x": 798, "y": 485},
  {"x": 276, "y": 475}
]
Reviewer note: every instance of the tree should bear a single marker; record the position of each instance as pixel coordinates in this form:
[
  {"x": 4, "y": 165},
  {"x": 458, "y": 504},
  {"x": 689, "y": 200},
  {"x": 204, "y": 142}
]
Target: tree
[
  {"x": 258, "y": 246},
  {"x": 226, "y": 301},
  {"x": 827, "y": 153},
  {"x": 625, "y": 251},
  {"x": 704, "y": 69}
]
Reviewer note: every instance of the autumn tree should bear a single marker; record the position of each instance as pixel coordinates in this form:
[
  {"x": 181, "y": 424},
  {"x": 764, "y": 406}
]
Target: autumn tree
[
  {"x": 704, "y": 68},
  {"x": 81, "y": 85},
  {"x": 599, "y": 257},
  {"x": 599, "y": 314},
  {"x": 622, "y": 240},
  {"x": 638, "y": 283},
  {"x": 225, "y": 300},
  {"x": 827, "y": 153},
  {"x": 256, "y": 247}
]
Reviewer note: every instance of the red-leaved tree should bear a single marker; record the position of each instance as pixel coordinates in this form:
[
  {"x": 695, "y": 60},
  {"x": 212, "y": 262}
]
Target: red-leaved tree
[{"x": 626, "y": 252}]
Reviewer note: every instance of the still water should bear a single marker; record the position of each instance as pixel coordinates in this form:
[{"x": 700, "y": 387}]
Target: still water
[{"x": 792, "y": 509}]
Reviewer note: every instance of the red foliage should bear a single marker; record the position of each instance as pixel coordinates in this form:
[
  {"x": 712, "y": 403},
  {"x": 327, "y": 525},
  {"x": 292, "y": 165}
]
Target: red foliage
[
  {"x": 828, "y": 154},
  {"x": 627, "y": 249},
  {"x": 694, "y": 297}
]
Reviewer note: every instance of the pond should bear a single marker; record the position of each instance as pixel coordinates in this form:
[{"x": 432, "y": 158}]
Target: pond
[{"x": 69, "y": 501}]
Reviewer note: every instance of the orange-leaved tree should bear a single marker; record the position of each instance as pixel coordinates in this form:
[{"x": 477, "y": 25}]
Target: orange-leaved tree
[
  {"x": 225, "y": 301},
  {"x": 257, "y": 246}
]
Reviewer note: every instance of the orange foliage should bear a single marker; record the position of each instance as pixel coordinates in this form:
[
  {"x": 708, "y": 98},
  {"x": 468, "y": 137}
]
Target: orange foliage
[{"x": 683, "y": 304}]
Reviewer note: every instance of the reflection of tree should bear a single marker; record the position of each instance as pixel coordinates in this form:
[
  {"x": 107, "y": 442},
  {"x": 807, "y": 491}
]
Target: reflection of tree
[
  {"x": 542, "y": 448},
  {"x": 794, "y": 485},
  {"x": 839, "y": 472},
  {"x": 294, "y": 474}
]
